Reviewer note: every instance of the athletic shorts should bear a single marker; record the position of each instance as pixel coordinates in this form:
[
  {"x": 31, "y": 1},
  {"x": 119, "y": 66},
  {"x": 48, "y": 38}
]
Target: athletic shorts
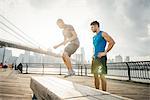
[
  {"x": 71, "y": 49},
  {"x": 99, "y": 65}
]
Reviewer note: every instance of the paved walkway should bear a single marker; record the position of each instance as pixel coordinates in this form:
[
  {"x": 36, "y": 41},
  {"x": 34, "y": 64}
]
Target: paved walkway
[
  {"x": 17, "y": 86},
  {"x": 131, "y": 90}
]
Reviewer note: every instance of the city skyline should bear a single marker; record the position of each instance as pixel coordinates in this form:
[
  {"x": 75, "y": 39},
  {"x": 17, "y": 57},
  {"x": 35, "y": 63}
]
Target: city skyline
[{"x": 31, "y": 57}]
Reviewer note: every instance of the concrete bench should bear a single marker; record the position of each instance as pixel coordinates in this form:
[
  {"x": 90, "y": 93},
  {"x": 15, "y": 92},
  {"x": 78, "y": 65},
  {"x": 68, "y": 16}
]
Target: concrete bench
[{"x": 52, "y": 88}]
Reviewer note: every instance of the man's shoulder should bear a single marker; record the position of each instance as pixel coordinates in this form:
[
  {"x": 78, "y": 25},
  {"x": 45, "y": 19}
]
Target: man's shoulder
[
  {"x": 103, "y": 32},
  {"x": 69, "y": 27}
]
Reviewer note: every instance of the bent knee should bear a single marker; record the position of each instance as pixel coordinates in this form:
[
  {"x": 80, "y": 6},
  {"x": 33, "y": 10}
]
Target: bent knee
[
  {"x": 65, "y": 54},
  {"x": 102, "y": 77}
]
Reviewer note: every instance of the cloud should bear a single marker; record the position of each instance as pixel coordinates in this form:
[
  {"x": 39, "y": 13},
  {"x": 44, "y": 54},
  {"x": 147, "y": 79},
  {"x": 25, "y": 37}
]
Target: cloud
[
  {"x": 42, "y": 4},
  {"x": 127, "y": 21}
]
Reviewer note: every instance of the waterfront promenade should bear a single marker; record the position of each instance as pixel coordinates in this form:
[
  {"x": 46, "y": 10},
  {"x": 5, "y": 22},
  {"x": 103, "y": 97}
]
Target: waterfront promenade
[{"x": 16, "y": 86}]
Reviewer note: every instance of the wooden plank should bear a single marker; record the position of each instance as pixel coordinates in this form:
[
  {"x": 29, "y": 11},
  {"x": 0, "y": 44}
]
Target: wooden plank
[
  {"x": 14, "y": 97},
  {"x": 50, "y": 88},
  {"x": 13, "y": 87},
  {"x": 82, "y": 98}
]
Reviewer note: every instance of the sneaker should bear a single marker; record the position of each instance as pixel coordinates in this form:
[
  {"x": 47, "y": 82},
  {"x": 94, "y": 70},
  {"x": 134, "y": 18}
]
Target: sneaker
[
  {"x": 67, "y": 75},
  {"x": 73, "y": 73},
  {"x": 70, "y": 74}
]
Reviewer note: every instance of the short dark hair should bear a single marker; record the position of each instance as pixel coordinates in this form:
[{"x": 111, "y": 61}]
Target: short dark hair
[
  {"x": 95, "y": 23},
  {"x": 59, "y": 20}
]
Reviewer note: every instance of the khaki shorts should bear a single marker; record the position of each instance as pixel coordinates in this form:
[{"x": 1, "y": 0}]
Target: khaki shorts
[
  {"x": 99, "y": 66},
  {"x": 71, "y": 49}
]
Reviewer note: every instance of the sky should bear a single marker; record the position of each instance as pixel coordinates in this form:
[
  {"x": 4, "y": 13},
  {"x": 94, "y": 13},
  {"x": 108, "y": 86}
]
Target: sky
[{"x": 126, "y": 21}]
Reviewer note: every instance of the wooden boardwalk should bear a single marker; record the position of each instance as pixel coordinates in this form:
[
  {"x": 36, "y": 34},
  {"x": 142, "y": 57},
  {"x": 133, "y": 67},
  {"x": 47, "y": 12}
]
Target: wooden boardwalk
[{"x": 14, "y": 86}]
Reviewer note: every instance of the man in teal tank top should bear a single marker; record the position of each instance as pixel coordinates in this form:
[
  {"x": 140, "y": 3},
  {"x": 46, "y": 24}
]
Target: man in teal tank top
[{"x": 99, "y": 67}]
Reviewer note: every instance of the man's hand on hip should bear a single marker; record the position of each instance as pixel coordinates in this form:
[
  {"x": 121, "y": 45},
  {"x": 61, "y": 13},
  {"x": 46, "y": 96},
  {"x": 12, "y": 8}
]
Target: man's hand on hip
[{"x": 101, "y": 54}]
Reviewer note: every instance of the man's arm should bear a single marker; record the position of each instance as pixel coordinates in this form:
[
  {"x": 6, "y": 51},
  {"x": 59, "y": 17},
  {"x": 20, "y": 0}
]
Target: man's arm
[
  {"x": 56, "y": 46},
  {"x": 111, "y": 43},
  {"x": 62, "y": 43},
  {"x": 74, "y": 36}
]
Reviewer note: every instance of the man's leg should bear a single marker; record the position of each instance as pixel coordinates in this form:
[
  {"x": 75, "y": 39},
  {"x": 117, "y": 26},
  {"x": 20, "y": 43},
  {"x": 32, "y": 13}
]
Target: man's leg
[
  {"x": 67, "y": 61},
  {"x": 64, "y": 60},
  {"x": 69, "y": 50},
  {"x": 103, "y": 82},
  {"x": 96, "y": 81}
]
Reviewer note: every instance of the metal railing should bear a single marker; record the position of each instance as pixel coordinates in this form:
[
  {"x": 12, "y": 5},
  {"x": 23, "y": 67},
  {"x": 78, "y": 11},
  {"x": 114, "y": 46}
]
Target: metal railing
[
  {"x": 49, "y": 68},
  {"x": 138, "y": 70},
  {"x": 130, "y": 70}
]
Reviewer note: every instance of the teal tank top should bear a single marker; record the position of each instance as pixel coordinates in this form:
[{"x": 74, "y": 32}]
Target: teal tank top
[{"x": 99, "y": 43}]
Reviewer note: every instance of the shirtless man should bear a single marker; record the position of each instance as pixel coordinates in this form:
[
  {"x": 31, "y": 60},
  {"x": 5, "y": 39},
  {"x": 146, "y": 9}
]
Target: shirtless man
[{"x": 70, "y": 37}]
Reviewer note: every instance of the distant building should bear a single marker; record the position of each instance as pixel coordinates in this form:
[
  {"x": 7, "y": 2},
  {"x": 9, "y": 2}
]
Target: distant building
[
  {"x": 140, "y": 58},
  {"x": 83, "y": 60},
  {"x": 1, "y": 54},
  {"x": 110, "y": 61},
  {"x": 38, "y": 57},
  {"x": 12, "y": 60},
  {"x": 20, "y": 59},
  {"x": 7, "y": 55},
  {"x": 26, "y": 57},
  {"x": 118, "y": 58},
  {"x": 127, "y": 59},
  {"x": 79, "y": 58}
]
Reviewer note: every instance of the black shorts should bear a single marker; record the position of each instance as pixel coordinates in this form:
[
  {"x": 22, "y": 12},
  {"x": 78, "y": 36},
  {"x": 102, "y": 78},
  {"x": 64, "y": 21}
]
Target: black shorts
[{"x": 99, "y": 65}]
